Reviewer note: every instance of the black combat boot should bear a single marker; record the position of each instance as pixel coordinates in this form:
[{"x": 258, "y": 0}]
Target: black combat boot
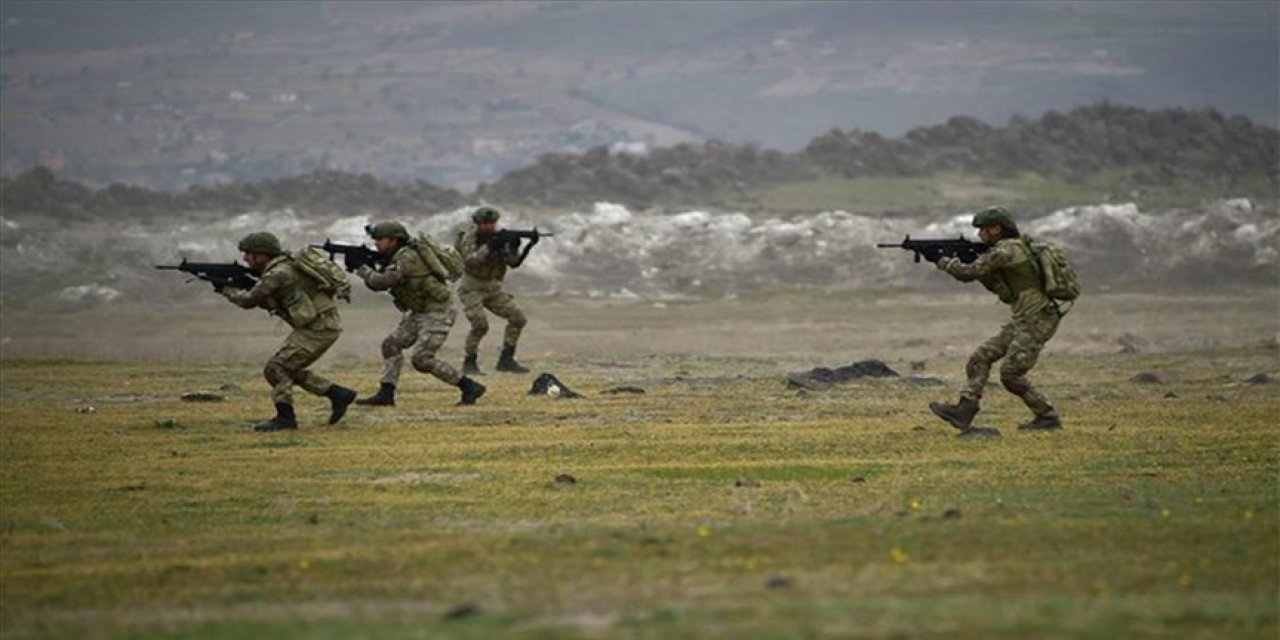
[
  {"x": 507, "y": 361},
  {"x": 340, "y": 398},
  {"x": 470, "y": 367},
  {"x": 385, "y": 397},
  {"x": 960, "y": 415},
  {"x": 1045, "y": 422},
  {"x": 471, "y": 390},
  {"x": 284, "y": 419}
]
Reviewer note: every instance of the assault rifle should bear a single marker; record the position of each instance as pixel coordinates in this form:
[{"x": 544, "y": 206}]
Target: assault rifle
[
  {"x": 220, "y": 275},
  {"x": 966, "y": 250},
  {"x": 512, "y": 237},
  {"x": 355, "y": 256}
]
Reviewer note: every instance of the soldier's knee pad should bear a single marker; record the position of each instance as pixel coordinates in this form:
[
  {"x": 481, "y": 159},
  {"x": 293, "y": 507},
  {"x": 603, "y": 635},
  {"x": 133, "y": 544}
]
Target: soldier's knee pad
[
  {"x": 479, "y": 324},
  {"x": 517, "y": 319},
  {"x": 275, "y": 372},
  {"x": 424, "y": 362},
  {"x": 391, "y": 348},
  {"x": 1015, "y": 383}
]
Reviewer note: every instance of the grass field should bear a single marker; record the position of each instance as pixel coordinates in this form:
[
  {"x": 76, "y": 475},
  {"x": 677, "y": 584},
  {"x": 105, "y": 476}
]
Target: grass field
[{"x": 720, "y": 503}]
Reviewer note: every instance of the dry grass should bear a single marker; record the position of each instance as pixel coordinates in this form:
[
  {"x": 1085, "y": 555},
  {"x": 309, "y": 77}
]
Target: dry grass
[{"x": 1153, "y": 514}]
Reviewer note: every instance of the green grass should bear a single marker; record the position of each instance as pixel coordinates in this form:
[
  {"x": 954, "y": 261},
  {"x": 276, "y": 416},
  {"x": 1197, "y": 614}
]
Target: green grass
[{"x": 1149, "y": 516}]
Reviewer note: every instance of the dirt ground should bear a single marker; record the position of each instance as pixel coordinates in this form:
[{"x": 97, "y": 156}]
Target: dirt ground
[
  {"x": 786, "y": 328},
  {"x": 763, "y": 334}
]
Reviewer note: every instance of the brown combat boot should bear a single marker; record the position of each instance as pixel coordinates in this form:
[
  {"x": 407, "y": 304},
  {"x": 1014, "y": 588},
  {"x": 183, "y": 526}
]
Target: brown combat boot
[
  {"x": 959, "y": 415},
  {"x": 1046, "y": 422}
]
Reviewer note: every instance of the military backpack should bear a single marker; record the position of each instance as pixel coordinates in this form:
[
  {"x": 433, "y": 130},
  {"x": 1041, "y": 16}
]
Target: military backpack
[
  {"x": 1057, "y": 276},
  {"x": 330, "y": 277},
  {"x": 444, "y": 261}
]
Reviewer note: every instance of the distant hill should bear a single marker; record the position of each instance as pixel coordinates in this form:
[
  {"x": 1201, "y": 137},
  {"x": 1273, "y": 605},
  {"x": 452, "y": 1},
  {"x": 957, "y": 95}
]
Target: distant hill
[{"x": 1192, "y": 154}]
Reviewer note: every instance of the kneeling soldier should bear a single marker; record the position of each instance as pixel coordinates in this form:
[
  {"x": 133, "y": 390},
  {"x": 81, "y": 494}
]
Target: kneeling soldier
[
  {"x": 424, "y": 298},
  {"x": 313, "y": 315}
]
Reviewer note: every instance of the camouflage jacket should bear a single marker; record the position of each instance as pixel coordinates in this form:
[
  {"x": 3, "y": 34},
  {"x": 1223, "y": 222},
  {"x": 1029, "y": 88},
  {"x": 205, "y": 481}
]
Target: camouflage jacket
[
  {"x": 412, "y": 284},
  {"x": 1009, "y": 271},
  {"x": 285, "y": 292},
  {"x": 480, "y": 261}
]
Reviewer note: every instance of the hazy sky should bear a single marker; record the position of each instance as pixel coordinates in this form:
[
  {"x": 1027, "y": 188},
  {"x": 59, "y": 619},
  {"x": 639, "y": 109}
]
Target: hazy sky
[{"x": 138, "y": 89}]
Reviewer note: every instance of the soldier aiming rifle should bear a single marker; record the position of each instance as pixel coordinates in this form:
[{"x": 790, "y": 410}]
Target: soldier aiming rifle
[{"x": 487, "y": 253}]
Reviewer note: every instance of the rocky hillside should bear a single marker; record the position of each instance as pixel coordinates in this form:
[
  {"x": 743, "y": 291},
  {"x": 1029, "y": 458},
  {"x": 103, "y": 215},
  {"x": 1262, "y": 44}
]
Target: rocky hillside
[
  {"x": 1164, "y": 149},
  {"x": 1149, "y": 148}
]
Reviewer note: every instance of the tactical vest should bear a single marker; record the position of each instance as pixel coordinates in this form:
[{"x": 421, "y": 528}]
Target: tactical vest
[
  {"x": 492, "y": 269},
  {"x": 1021, "y": 275},
  {"x": 300, "y": 302},
  {"x": 417, "y": 288}
]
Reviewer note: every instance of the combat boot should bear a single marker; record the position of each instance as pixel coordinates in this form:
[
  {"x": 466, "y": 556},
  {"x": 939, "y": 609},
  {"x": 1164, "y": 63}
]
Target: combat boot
[
  {"x": 959, "y": 415},
  {"x": 507, "y": 361},
  {"x": 385, "y": 397},
  {"x": 340, "y": 398},
  {"x": 1046, "y": 422},
  {"x": 470, "y": 367},
  {"x": 284, "y": 419},
  {"x": 471, "y": 390}
]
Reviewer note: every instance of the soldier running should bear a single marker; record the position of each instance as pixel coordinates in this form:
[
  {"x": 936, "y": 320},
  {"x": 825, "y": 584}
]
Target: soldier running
[
  {"x": 1008, "y": 270},
  {"x": 313, "y": 315},
  {"x": 424, "y": 298}
]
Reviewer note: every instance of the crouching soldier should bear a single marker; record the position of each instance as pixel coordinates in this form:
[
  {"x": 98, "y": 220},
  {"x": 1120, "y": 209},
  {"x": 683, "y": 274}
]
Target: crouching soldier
[
  {"x": 312, "y": 313},
  {"x": 422, "y": 294},
  {"x": 1010, "y": 271},
  {"x": 481, "y": 288}
]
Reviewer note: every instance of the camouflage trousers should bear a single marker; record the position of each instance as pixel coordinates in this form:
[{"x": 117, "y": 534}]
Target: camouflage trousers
[
  {"x": 476, "y": 296},
  {"x": 288, "y": 366},
  {"x": 1019, "y": 343},
  {"x": 428, "y": 331}
]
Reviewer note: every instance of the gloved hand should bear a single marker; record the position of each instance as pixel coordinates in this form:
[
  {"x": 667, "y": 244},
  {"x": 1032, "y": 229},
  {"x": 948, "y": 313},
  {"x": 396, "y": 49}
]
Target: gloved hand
[
  {"x": 944, "y": 263},
  {"x": 351, "y": 262},
  {"x": 537, "y": 237},
  {"x": 363, "y": 270}
]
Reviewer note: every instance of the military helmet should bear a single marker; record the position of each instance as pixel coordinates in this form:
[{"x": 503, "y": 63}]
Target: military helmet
[
  {"x": 387, "y": 230},
  {"x": 261, "y": 242},
  {"x": 485, "y": 214},
  {"x": 994, "y": 215}
]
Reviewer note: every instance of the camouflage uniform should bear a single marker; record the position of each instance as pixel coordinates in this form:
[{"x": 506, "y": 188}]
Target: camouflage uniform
[
  {"x": 312, "y": 314},
  {"x": 481, "y": 288},
  {"x": 424, "y": 299},
  {"x": 1009, "y": 271}
]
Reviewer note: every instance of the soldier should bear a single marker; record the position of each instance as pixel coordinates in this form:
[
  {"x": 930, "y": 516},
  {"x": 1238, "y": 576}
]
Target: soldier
[
  {"x": 481, "y": 288},
  {"x": 313, "y": 315},
  {"x": 1007, "y": 269},
  {"x": 423, "y": 296}
]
